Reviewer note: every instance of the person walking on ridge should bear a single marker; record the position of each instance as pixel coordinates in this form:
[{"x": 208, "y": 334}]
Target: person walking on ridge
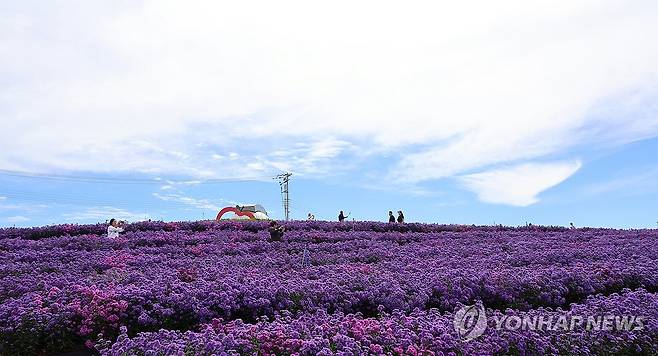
[
  {"x": 391, "y": 218},
  {"x": 400, "y": 217}
]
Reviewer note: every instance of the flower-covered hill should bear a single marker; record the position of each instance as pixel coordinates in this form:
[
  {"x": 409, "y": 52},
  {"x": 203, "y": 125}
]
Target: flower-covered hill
[{"x": 207, "y": 287}]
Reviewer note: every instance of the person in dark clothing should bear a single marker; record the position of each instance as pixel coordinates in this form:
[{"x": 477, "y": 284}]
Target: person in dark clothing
[
  {"x": 342, "y": 217},
  {"x": 276, "y": 231},
  {"x": 391, "y": 218},
  {"x": 400, "y": 217}
]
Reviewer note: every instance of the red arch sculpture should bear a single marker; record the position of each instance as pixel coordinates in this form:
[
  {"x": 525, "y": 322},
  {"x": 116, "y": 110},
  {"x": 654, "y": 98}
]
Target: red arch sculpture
[{"x": 238, "y": 212}]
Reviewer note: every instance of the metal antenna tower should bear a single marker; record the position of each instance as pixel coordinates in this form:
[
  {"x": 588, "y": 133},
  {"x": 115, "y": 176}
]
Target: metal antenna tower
[{"x": 284, "y": 178}]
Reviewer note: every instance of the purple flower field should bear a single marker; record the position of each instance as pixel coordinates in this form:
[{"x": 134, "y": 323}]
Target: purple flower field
[{"x": 204, "y": 288}]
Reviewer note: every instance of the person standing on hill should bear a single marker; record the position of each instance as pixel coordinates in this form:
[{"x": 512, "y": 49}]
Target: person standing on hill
[
  {"x": 114, "y": 228},
  {"x": 276, "y": 231},
  {"x": 342, "y": 217},
  {"x": 400, "y": 217},
  {"x": 391, "y": 218}
]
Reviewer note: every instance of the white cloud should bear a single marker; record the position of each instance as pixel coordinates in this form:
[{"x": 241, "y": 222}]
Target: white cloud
[
  {"x": 204, "y": 204},
  {"x": 172, "y": 87},
  {"x": 632, "y": 183},
  {"x": 16, "y": 219},
  {"x": 318, "y": 158},
  {"x": 5, "y": 205},
  {"x": 103, "y": 213},
  {"x": 518, "y": 185}
]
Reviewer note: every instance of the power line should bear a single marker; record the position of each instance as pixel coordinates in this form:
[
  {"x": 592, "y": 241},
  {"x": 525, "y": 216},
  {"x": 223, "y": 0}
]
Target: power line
[
  {"x": 115, "y": 199},
  {"x": 115, "y": 180},
  {"x": 76, "y": 199}
]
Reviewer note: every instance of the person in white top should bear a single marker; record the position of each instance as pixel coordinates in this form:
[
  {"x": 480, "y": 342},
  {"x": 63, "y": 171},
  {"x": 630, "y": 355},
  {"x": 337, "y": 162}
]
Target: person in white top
[{"x": 114, "y": 229}]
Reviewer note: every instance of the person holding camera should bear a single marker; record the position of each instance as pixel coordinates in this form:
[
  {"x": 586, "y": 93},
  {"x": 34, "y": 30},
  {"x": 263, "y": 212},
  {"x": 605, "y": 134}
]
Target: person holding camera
[
  {"x": 276, "y": 231},
  {"x": 114, "y": 228}
]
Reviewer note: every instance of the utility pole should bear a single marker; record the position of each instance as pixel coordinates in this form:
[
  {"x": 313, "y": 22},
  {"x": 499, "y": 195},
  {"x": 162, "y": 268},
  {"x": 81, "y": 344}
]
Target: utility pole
[{"x": 284, "y": 178}]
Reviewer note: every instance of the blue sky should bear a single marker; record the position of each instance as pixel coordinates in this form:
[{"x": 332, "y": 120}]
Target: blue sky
[
  {"x": 618, "y": 188},
  {"x": 455, "y": 113}
]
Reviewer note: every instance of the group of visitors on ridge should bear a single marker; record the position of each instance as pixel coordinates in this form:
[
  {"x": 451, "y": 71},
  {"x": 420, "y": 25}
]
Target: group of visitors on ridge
[
  {"x": 276, "y": 231},
  {"x": 391, "y": 218}
]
